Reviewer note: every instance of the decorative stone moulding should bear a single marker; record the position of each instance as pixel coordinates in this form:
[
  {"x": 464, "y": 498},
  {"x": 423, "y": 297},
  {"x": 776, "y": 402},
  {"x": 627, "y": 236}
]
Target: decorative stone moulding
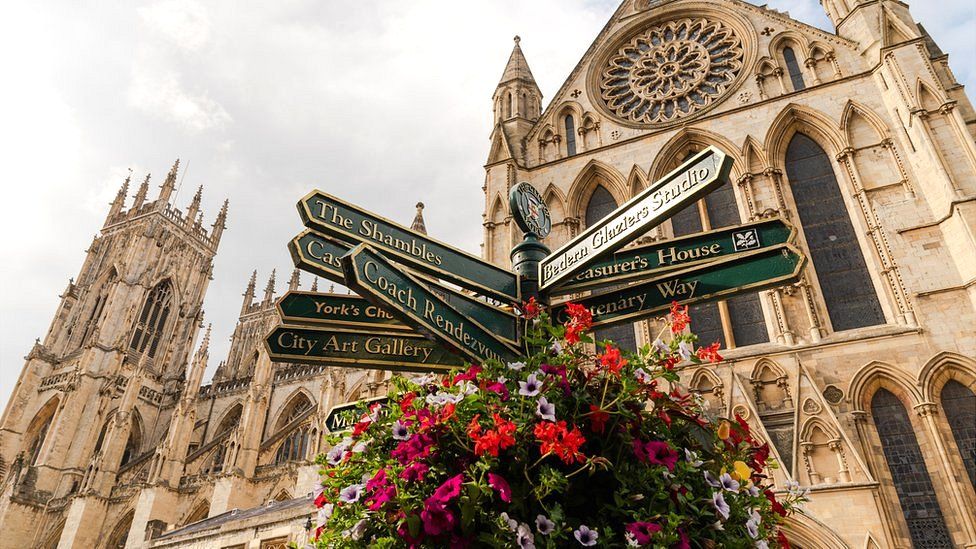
[{"x": 670, "y": 67}]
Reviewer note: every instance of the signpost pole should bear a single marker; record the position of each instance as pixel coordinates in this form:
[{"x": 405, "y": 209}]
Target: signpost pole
[{"x": 525, "y": 262}]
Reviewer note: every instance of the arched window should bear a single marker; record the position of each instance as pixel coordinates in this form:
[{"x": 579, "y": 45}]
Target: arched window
[
  {"x": 834, "y": 249},
  {"x": 296, "y": 407},
  {"x": 959, "y": 404},
  {"x": 509, "y": 107},
  {"x": 37, "y": 431},
  {"x": 230, "y": 420},
  {"x": 739, "y": 322},
  {"x": 152, "y": 320},
  {"x": 796, "y": 76},
  {"x": 571, "y": 136},
  {"x": 600, "y": 205},
  {"x": 523, "y": 110},
  {"x": 119, "y": 535},
  {"x": 134, "y": 443},
  {"x": 294, "y": 447},
  {"x": 916, "y": 495}
]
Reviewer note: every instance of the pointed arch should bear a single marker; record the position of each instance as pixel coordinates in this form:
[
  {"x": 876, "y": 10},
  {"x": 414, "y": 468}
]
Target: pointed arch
[
  {"x": 120, "y": 532},
  {"x": 754, "y": 159},
  {"x": 876, "y": 375},
  {"x": 689, "y": 140},
  {"x": 555, "y": 200},
  {"x": 766, "y": 66},
  {"x": 767, "y": 369},
  {"x": 787, "y": 39},
  {"x": 229, "y": 420},
  {"x": 795, "y": 119},
  {"x": 299, "y": 402},
  {"x": 197, "y": 512},
  {"x": 135, "y": 441},
  {"x": 498, "y": 211},
  {"x": 814, "y": 422},
  {"x": 704, "y": 379},
  {"x": 893, "y": 29},
  {"x": 154, "y": 318},
  {"x": 595, "y": 174},
  {"x": 805, "y": 531},
  {"x": 37, "y": 430},
  {"x": 861, "y": 126},
  {"x": 943, "y": 367},
  {"x": 637, "y": 181},
  {"x": 929, "y": 98}
]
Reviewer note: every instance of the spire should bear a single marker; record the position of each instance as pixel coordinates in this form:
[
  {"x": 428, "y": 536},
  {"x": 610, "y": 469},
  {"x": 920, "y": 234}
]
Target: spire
[
  {"x": 166, "y": 189},
  {"x": 198, "y": 365},
  {"x": 194, "y": 208},
  {"x": 141, "y": 193},
  {"x": 270, "y": 288},
  {"x": 120, "y": 197},
  {"x": 249, "y": 292},
  {"x": 418, "y": 220},
  {"x": 295, "y": 280},
  {"x": 315, "y": 284},
  {"x": 517, "y": 68},
  {"x": 517, "y": 94},
  {"x": 220, "y": 224}
]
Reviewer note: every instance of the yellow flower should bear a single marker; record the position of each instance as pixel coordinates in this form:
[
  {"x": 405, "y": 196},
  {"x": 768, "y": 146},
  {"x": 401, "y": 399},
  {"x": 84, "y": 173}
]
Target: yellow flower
[
  {"x": 741, "y": 471},
  {"x": 724, "y": 429}
]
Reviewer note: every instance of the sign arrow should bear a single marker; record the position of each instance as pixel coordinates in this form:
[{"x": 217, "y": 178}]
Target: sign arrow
[
  {"x": 667, "y": 196},
  {"x": 406, "y": 352},
  {"x": 660, "y": 257},
  {"x": 344, "y": 416},
  {"x": 738, "y": 274},
  {"x": 320, "y": 255},
  {"x": 350, "y": 223},
  {"x": 374, "y": 277},
  {"x": 303, "y": 308}
]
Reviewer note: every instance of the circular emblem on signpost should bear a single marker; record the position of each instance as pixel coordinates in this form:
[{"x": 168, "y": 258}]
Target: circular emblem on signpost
[{"x": 530, "y": 212}]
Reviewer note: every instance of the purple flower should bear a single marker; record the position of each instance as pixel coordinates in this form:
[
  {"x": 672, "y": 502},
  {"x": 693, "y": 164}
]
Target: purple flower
[
  {"x": 762, "y": 545},
  {"x": 643, "y": 532},
  {"x": 544, "y": 525},
  {"x": 556, "y": 348},
  {"x": 585, "y": 536},
  {"x": 692, "y": 458},
  {"x": 684, "y": 349},
  {"x": 545, "y": 409},
  {"x": 400, "y": 431},
  {"x": 356, "y": 532},
  {"x": 718, "y": 501},
  {"x": 437, "y": 519},
  {"x": 643, "y": 376},
  {"x": 335, "y": 455},
  {"x": 510, "y": 522},
  {"x": 324, "y": 514},
  {"x": 351, "y": 493},
  {"x": 752, "y": 525},
  {"x": 661, "y": 347},
  {"x": 711, "y": 480},
  {"x": 524, "y": 537},
  {"x": 728, "y": 483},
  {"x": 530, "y": 387},
  {"x": 516, "y": 366}
]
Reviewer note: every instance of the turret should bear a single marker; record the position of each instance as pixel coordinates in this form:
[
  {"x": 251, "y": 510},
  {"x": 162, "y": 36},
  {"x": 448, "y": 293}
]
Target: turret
[
  {"x": 517, "y": 96},
  {"x": 119, "y": 203},
  {"x": 220, "y": 223},
  {"x": 198, "y": 366},
  {"x": 140, "y": 197},
  {"x": 270, "y": 288},
  {"x": 249, "y": 292},
  {"x": 873, "y": 24},
  {"x": 418, "y": 220},
  {"x": 168, "y": 186},
  {"x": 194, "y": 207},
  {"x": 295, "y": 280}
]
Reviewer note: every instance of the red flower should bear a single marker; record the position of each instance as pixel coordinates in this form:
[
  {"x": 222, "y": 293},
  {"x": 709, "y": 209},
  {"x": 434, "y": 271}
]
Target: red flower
[
  {"x": 759, "y": 457},
  {"x": 679, "y": 317},
  {"x": 492, "y": 440},
  {"x": 656, "y": 452},
  {"x": 500, "y": 485},
  {"x": 777, "y": 506},
  {"x": 643, "y": 532},
  {"x": 580, "y": 320},
  {"x": 531, "y": 309},
  {"x": 781, "y": 538},
  {"x": 555, "y": 439},
  {"x": 611, "y": 360},
  {"x": 320, "y": 500},
  {"x": 406, "y": 403},
  {"x": 470, "y": 375},
  {"x": 710, "y": 353},
  {"x": 598, "y": 419}
]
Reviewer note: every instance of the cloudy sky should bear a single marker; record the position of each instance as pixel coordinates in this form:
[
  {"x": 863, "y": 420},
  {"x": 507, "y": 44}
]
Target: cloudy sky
[{"x": 383, "y": 103}]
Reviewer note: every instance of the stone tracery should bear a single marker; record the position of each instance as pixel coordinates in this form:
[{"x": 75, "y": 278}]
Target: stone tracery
[{"x": 671, "y": 70}]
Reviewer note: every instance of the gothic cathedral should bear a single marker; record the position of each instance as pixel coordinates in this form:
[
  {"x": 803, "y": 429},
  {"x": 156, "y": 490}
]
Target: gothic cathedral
[{"x": 862, "y": 376}]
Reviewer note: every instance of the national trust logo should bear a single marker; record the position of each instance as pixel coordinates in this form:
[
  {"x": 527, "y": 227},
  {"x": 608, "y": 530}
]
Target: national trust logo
[{"x": 671, "y": 70}]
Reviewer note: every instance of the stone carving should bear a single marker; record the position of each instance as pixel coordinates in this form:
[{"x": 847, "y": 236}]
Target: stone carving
[
  {"x": 833, "y": 394},
  {"x": 811, "y": 406},
  {"x": 671, "y": 70}
]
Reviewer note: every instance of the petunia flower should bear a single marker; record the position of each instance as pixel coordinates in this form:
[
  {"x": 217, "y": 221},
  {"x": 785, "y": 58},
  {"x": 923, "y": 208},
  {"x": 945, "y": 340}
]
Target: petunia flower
[
  {"x": 450, "y": 489},
  {"x": 351, "y": 493},
  {"x": 336, "y": 453},
  {"x": 544, "y": 525},
  {"x": 515, "y": 366},
  {"x": 718, "y": 501},
  {"x": 684, "y": 349},
  {"x": 324, "y": 514},
  {"x": 556, "y": 348},
  {"x": 400, "y": 431},
  {"x": 545, "y": 409},
  {"x": 752, "y": 525},
  {"x": 509, "y": 521},
  {"x": 643, "y": 532},
  {"x": 656, "y": 452},
  {"x": 728, "y": 483},
  {"x": 692, "y": 458},
  {"x": 356, "y": 532},
  {"x": 711, "y": 480},
  {"x": 524, "y": 537},
  {"x": 530, "y": 387},
  {"x": 585, "y": 536},
  {"x": 500, "y": 485},
  {"x": 437, "y": 519},
  {"x": 760, "y": 544},
  {"x": 643, "y": 376}
]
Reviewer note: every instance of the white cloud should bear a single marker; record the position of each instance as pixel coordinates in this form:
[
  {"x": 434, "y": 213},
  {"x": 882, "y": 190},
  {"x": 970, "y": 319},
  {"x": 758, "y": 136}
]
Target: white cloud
[
  {"x": 183, "y": 23},
  {"x": 161, "y": 94}
]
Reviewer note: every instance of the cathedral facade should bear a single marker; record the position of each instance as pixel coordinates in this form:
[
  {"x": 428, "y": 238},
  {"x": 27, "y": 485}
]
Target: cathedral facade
[{"x": 862, "y": 376}]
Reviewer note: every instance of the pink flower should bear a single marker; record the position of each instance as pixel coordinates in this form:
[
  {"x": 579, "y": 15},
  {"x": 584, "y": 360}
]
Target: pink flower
[
  {"x": 500, "y": 388},
  {"x": 416, "y": 447},
  {"x": 414, "y": 472},
  {"x": 656, "y": 452},
  {"x": 437, "y": 519},
  {"x": 447, "y": 491},
  {"x": 470, "y": 375},
  {"x": 499, "y": 483},
  {"x": 643, "y": 531}
]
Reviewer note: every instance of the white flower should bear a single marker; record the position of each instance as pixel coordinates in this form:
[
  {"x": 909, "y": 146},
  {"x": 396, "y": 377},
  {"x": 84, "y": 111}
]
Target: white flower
[
  {"x": 544, "y": 525},
  {"x": 356, "y": 532},
  {"x": 530, "y": 387},
  {"x": 631, "y": 540},
  {"x": 684, "y": 349},
  {"x": 359, "y": 448},
  {"x": 711, "y": 480},
  {"x": 556, "y": 347},
  {"x": 585, "y": 536},
  {"x": 661, "y": 346},
  {"x": 752, "y": 525},
  {"x": 516, "y": 366},
  {"x": 334, "y": 456},
  {"x": 722, "y": 508},
  {"x": 692, "y": 458},
  {"x": 762, "y": 545},
  {"x": 466, "y": 388},
  {"x": 524, "y": 537},
  {"x": 425, "y": 379},
  {"x": 754, "y": 491},
  {"x": 545, "y": 409},
  {"x": 400, "y": 431},
  {"x": 729, "y": 483},
  {"x": 324, "y": 514},
  {"x": 510, "y": 522},
  {"x": 351, "y": 493},
  {"x": 502, "y": 379}
]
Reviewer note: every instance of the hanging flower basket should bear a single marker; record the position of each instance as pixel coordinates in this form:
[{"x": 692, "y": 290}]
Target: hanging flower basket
[{"x": 563, "y": 448}]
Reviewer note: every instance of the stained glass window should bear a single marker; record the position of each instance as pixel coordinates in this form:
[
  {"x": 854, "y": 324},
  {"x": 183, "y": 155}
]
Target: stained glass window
[
  {"x": 959, "y": 404},
  {"x": 571, "y": 139},
  {"x": 796, "y": 76}
]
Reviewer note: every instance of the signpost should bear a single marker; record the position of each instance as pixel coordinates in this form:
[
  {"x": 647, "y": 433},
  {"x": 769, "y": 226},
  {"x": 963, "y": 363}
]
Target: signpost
[
  {"x": 659, "y": 257},
  {"x": 374, "y": 277},
  {"x": 352, "y": 224},
  {"x": 721, "y": 279},
  {"x": 344, "y": 416},
  {"x": 296, "y": 307},
  {"x": 359, "y": 349},
  {"x": 666, "y": 197}
]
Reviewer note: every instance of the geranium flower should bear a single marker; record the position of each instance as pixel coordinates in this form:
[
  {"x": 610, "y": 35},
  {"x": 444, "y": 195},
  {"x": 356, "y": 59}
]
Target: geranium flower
[
  {"x": 545, "y": 409},
  {"x": 531, "y": 309},
  {"x": 611, "y": 360},
  {"x": 493, "y": 440},
  {"x": 351, "y": 493},
  {"x": 530, "y": 387},
  {"x": 643, "y": 532},
  {"x": 524, "y": 537},
  {"x": 656, "y": 452},
  {"x": 728, "y": 483},
  {"x": 710, "y": 353},
  {"x": 400, "y": 431},
  {"x": 580, "y": 320},
  {"x": 543, "y": 525},
  {"x": 555, "y": 439},
  {"x": 585, "y": 536},
  {"x": 500, "y": 485},
  {"x": 598, "y": 419},
  {"x": 722, "y": 508},
  {"x": 679, "y": 317}
]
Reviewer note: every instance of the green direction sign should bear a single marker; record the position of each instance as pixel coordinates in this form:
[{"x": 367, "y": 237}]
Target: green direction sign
[
  {"x": 736, "y": 274},
  {"x": 320, "y": 255},
  {"x": 353, "y": 224},
  {"x": 374, "y": 277},
  {"x": 406, "y": 352},
  {"x": 344, "y": 416},
  {"x": 666, "y": 197},
  {"x": 678, "y": 253},
  {"x": 296, "y": 307}
]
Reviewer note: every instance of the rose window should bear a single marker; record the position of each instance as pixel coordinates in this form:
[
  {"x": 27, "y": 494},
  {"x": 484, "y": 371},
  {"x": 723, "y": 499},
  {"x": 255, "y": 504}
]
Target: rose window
[{"x": 671, "y": 70}]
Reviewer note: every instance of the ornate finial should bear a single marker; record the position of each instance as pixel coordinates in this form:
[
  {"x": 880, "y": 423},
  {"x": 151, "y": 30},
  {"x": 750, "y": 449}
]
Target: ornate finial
[
  {"x": 518, "y": 39},
  {"x": 315, "y": 284},
  {"x": 141, "y": 193},
  {"x": 205, "y": 344},
  {"x": 270, "y": 288},
  {"x": 418, "y": 220},
  {"x": 295, "y": 279},
  {"x": 331, "y": 288}
]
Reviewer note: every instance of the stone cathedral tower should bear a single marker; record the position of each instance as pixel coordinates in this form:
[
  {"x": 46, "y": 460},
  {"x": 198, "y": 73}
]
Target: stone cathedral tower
[
  {"x": 863, "y": 375},
  {"x": 101, "y": 383}
]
